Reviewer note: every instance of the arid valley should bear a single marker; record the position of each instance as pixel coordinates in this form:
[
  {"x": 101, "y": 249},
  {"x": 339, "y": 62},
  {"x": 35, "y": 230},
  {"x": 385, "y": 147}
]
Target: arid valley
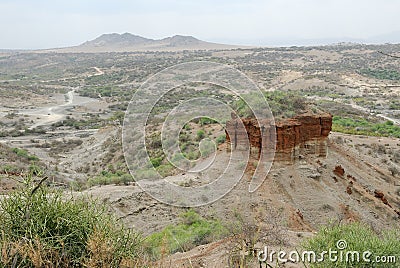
[{"x": 62, "y": 116}]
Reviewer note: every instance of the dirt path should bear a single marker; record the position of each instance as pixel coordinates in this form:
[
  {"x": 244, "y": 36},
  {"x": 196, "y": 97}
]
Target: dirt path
[
  {"x": 52, "y": 114},
  {"x": 98, "y": 71}
]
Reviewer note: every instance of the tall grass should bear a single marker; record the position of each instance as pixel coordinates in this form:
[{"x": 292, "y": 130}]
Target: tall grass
[
  {"x": 41, "y": 227},
  {"x": 360, "y": 238},
  {"x": 193, "y": 230}
]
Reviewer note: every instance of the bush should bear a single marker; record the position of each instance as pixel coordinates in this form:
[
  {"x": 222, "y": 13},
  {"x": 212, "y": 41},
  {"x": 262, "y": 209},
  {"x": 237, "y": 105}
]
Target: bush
[
  {"x": 156, "y": 161},
  {"x": 206, "y": 121},
  {"x": 283, "y": 104},
  {"x": 381, "y": 73},
  {"x": 364, "y": 127},
  {"x": 207, "y": 147},
  {"x": 193, "y": 230},
  {"x": 359, "y": 238},
  {"x": 221, "y": 139},
  {"x": 42, "y": 228},
  {"x": 9, "y": 168},
  {"x": 24, "y": 153},
  {"x": 166, "y": 170},
  {"x": 200, "y": 135}
]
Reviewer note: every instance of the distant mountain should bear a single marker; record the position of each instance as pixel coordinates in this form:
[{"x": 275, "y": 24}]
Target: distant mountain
[
  {"x": 180, "y": 40},
  {"x": 127, "y": 42},
  {"x": 115, "y": 39}
]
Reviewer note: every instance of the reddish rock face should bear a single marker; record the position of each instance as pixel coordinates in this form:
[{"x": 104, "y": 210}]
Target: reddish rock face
[
  {"x": 378, "y": 194},
  {"x": 339, "y": 170},
  {"x": 304, "y": 134}
]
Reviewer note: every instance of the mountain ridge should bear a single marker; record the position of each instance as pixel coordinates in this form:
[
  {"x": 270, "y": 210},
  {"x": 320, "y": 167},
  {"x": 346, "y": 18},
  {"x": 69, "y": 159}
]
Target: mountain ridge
[
  {"x": 127, "y": 42},
  {"x": 111, "y": 38}
]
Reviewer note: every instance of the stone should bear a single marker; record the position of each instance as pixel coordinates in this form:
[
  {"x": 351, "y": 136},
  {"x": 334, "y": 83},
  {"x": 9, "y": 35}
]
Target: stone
[
  {"x": 339, "y": 170},
  {"x": 295, "y": 137},
  {"x": 379, "y": 194},
  {"x": 349, "y": 190}
]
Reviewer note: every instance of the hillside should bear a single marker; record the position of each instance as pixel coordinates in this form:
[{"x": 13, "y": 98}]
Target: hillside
[
  {"x": 65, "y": 113},
  {"x": 127, "y": 42},
  {"x": 294, "y": 201}
]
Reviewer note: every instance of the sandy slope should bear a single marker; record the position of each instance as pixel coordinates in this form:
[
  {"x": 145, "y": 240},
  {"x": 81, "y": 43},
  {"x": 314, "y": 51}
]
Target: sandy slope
[{"x": 307, "y": 194}]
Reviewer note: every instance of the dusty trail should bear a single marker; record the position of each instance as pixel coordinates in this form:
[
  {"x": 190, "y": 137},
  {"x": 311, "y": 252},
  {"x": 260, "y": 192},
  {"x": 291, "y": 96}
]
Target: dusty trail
[
  {"x": 98, "y": 71},
  {"x": 52, "y": 114}
]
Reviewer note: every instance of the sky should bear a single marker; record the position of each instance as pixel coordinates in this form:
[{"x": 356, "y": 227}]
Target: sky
[{"x": 33, "y": 24}]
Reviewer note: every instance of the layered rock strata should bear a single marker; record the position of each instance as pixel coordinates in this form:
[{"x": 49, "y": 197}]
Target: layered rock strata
[{"x": 301, "y": 135}]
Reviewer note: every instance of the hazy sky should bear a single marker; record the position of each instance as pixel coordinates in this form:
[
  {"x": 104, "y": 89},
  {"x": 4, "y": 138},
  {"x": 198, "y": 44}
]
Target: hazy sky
[{"x": 56, "y": 23}]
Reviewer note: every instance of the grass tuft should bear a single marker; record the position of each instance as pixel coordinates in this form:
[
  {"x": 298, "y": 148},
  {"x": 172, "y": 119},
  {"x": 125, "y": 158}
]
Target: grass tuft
[
  {"x": 40, "y": 227},
  {"x": 358, "y": 237}
]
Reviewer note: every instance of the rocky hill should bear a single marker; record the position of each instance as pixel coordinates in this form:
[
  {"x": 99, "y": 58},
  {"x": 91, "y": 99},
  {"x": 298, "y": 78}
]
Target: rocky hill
[
  {"x": 127, "y": 42},
  {"x": 115, "y": 39}
]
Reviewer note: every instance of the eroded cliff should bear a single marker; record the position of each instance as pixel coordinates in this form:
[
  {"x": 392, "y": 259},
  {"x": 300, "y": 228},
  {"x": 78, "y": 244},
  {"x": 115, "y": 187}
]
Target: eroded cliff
[{"x": 303, "y": 134}]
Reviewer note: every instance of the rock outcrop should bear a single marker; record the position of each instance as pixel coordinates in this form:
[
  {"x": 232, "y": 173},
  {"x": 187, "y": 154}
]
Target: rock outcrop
[
  {"x": 339, "y": 170},
  {"x": 301, "y": 135}
]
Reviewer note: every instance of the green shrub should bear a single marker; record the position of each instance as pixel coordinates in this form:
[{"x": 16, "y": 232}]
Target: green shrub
[
  {"x": 206, "y": 147},
  {"x": 156, "y": 161},
  {"x": 221, "y": 139},
  {"x": 360, "y": 126},
  {"x": 394, "y": 105},
  {"x": 193, "y": 155},
  {"x": 118, "y": 116},
  {"x": 359, "y": 238},
  {"x": 9, "y": 168},
  {"x": 192, "y": 231},
  {"x": 166, "y": 170},
  {"x": 35, "y": 170},
  {"x": 283, "y": 104},
  {"x": 178, "y": 157},
  {"x": 200, "y": 134},
  {"x": 126, "y": 179},
  {"x": 381, "y": 73},
  {"x": 40, "y": 227},
  {"x": 108, "y": 177},
  {"x": 206, "y": 121},
  {"x": 24, "y": 153}
]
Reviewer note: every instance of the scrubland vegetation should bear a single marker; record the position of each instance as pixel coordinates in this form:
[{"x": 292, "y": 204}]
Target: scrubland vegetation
[{"x": 42, "y": 227}]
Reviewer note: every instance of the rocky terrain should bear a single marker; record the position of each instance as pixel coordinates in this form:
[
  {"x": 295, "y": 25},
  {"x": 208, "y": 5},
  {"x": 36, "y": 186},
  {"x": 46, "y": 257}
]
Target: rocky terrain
[
  {"x": 61, "y": 116},
  {"x": 345, "y": 186}
]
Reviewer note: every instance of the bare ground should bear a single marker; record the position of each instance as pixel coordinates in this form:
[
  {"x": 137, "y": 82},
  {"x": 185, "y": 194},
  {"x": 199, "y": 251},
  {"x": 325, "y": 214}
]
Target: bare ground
[{"x": 304, "y": 195}]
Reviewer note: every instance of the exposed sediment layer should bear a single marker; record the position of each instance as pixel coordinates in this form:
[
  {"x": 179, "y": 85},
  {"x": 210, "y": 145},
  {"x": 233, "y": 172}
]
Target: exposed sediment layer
[{"x": 303, "y": 134}]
